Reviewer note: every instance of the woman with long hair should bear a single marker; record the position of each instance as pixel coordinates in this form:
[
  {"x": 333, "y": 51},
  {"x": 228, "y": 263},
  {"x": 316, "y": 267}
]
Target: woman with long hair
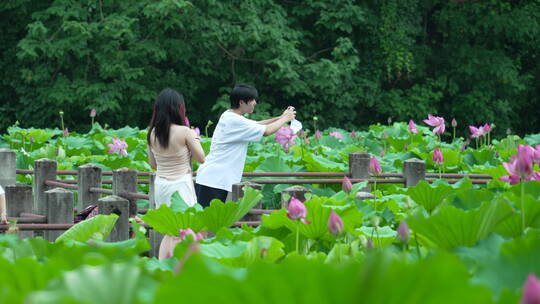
[{"x": 171, "y": 144}]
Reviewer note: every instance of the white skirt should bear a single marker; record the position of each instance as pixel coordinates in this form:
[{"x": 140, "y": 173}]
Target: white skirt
[{"x": 164, "y": 189}]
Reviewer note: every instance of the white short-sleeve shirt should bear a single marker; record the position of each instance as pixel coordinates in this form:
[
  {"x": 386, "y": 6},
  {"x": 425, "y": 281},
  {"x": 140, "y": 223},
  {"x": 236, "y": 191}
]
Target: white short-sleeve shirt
[{"x": 224, "y": 164}]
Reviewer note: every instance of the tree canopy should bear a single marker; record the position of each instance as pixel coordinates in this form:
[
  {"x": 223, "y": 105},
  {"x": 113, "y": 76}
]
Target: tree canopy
[{"x": 350, "y": 63}]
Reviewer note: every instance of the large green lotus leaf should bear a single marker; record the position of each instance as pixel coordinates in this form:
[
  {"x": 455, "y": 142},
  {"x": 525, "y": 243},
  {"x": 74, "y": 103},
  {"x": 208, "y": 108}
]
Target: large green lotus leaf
[
  {"x": 380, "y": 237},
  {"x": 220, "y": 214},
  {"x": 301, "y": 279},
  {"x": 484, "y": 251},
  {"x": 451, "y": 227},
  {"x": 97, "y": 227},
  {"x": 118, "y": 283},
  {"x": 532, "y": 139},
  {"x": 470, "y": 198},
  {"x": 319, "y": 163},
  {"x": 274, "y": 164},
  {"x": 513, "y": 226},
  {"x": 21, "y": 277},
  {"x": 481, "y": 157},
  {"x": 342, "y": 252},
  {"x": 134, "y": 245},
  {"x": 516, "y": 259},
  {"x": 166, "y": 221},
  {"x": 419, "y": 282},
  {"x": 429, "y": 196},
  {"x": 531, "y": 188},
  {"x": 77, "y": 142},
  {"x": 40, "y": 249},
  {"x": 243, "y": 254}
]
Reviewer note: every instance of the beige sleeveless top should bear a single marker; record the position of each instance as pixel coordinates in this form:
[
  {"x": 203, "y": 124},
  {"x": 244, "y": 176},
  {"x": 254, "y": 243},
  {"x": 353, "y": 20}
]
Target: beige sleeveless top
[{"x": 173, "y": 166}]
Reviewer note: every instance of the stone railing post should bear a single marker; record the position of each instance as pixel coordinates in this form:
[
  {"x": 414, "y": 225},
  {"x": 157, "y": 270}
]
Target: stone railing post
[
  {"x": 59, "y": 210},
  {"x": 89, "y": 176},
  {"x": 121, "y": 207},
  {"x": 19, "y": 200},
  {"x": 414, "y": 170},
  {"x": 238, "y": 192},
  {"x": 125, "y": 180},
  {"x": 44, "y": 169},
  {"x": 8, "y": 161},
  {"x": 298, "y": 192},
  {"x": 359, "y": 167}
]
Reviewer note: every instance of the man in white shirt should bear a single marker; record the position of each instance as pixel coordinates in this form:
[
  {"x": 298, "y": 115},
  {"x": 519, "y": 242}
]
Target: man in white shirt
[{"x": 225, "y": 162}]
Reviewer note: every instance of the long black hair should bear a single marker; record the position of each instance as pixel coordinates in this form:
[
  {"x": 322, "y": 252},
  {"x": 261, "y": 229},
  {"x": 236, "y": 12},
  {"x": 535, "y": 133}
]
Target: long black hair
[{"x": 169, "y": 109}]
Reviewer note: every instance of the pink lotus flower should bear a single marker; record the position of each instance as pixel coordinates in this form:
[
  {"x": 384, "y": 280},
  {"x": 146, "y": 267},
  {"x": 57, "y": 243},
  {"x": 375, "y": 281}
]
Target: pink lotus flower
[
  {"x": 454, "y": 123},
  {"x": 335, "y": 224},
  {"x": 285, "y": 136},
  {"x": 438, "y": 156},
  {"x": 297, "y": 210},
  {"x": 487, "y": 128},
  {"x": 477, "y": 132},
  {"x": 318, "y": 134},
  {"x": 437, "y": 122},
  {"x": 403, "y": 232},
  {"x": 531, "y": 290},
  {"x": 353, "y": 134},
  {"x": 412, "y": 127},
  {"x": 536, "y": 155},
  {"x": 197, "y": 131},
  {"x": 306, "y": 141},
  {"x": 185, "y": 232},
  {"x": 118, "y": 146},
  {"x": 93, "y": 113},
  {"x": 346, "y": 185},
  {"x": 66, "y": 132},
  {"x": 336, "y": 134},
  {"x": 166, "y": 249},
  {"x": 520, "y": 167},
  {"x": 374, "y": 166}
]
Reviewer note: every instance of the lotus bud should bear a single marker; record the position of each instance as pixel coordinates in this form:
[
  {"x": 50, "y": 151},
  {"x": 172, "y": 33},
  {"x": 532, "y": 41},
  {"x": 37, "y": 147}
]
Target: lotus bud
[
  {"x": 508, "y": 131},
  {"x": 318, "y": 134},
  {"x": 403, "y": 232},
  {"x": 381, "y": 153},
  {"x": 335, "y": 224},
  {"x": 369, "y": 244},
  {"x": 346, "y": 185},
  {"x": 385, "y": 135},
  {"x": 374, "y": 166},
  {"x": 66, "y": 132},
  {"x": 389, "y": 120},
  {"x": 438, "y": 156},
  {"x": 93, "y": 113},
  {"x": 454, "y": 123},
  {"x": 353, "y": 134},
  {"x": 531, "y": 290},
  {"x": 296, "y": 210}
]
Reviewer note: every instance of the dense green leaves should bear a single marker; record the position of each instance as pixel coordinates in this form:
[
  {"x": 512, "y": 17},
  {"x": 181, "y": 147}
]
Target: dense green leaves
[{"x": 348, "y": 63}]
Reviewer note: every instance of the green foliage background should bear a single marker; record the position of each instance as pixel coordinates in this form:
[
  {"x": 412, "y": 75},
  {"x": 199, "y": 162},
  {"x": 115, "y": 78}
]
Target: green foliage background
[{"x": 351, "y": 63}]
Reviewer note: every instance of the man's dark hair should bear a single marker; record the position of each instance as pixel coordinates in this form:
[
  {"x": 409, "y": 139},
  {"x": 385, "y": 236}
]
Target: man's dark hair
[{"x": 242, "y": 92}]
